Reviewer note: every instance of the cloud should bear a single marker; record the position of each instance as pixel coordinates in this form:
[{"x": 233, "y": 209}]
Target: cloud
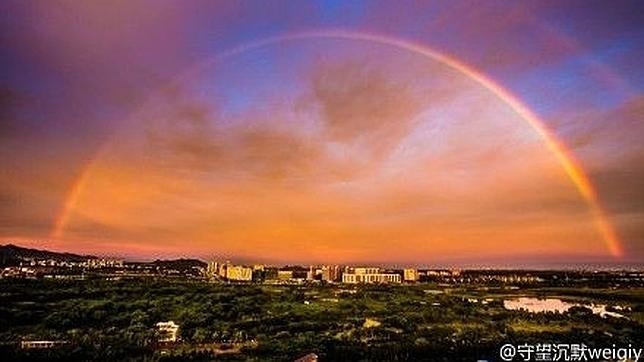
[
  {"x": 353, "y": 158},
  {"x": 183, "y": 135},
  {"x": 10, "y": 103},
  {"x": 363, "y": 114},
  {"x": 609, "y": 143},
  {"x": 278, "y": 154},
  {"x": 192, "y": 136},
  {"x": 359, "y": 103}
]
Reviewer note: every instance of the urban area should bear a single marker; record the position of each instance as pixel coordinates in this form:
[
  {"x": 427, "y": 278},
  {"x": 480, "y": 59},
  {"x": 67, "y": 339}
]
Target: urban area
[{"x": 61, "y": 306}]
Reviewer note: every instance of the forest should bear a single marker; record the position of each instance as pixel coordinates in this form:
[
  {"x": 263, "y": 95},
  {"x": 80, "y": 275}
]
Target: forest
[{"x": 115, "y": 320}]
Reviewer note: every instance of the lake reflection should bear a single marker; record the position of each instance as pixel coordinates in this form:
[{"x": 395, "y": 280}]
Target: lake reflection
[{"x": 554, "y": 305}]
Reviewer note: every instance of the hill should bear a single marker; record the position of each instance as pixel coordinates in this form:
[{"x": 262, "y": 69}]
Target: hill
[
  {"x": 180, "y": 264},
  {"x": 11, "y": 253}
]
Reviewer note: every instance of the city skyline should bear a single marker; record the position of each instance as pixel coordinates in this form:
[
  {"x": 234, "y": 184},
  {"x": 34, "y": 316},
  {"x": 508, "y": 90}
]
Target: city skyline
[
  {"x": 325, "y": 132},
  {"x": 527, "y": 264}
]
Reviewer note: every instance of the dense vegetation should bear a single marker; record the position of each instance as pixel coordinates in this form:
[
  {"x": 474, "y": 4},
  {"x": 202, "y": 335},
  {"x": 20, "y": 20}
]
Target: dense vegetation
[{"x": 114, "y": 320}]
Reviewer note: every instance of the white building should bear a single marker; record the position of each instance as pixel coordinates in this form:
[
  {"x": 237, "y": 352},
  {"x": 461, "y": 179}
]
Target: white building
[
  {"x": 168, "y": 331},
  {"x": 369, "y": 275},
  {"x": 40, "y": 344}
]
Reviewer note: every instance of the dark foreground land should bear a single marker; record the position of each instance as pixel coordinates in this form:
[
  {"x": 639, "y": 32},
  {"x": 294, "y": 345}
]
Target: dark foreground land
[{"x": 115, "y": 320}]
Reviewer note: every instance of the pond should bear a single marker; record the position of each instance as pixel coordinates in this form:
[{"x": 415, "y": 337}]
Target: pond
[{"x": 555, "y": 305}]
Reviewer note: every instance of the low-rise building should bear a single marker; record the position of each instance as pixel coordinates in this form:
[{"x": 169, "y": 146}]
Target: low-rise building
[
  {"x": 369, "y": 275},
  {"x": 40, "y": 344},
  {"x": 168, "y": 331},
  {"x": 284, "y": 274},
  {"x": 104, "y": 263}
]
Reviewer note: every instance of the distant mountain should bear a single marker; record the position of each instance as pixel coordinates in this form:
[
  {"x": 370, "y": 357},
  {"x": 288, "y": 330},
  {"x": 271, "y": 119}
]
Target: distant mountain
[
  {"x": 180, "y": 264},
  {"x": 11, "y": 253}
]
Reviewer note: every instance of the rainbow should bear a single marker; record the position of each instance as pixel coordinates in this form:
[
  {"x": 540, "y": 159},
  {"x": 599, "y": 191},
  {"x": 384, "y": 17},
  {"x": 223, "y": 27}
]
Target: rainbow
[
  {"x": 69, "y": 204},
  {"x": 563, "y": 156}
]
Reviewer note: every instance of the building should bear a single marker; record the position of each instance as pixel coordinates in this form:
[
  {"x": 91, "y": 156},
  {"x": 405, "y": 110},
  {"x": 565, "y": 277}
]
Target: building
[
  {"x": 284, "y": 274},
  {"x": 222, "y": 269},
  {"x": 331, "y": 273},
  {"x": 168, "y": 331},
  {"x": 229, "y": 271},
  {"x": 212, "y": 269},
  {"x": 104, "y": 263},
  {"x": 310, "y": 275},
  {"x": 311, "y": 357},
  {"x": 411, "y": 275},
  {"x": 369, "y": 275},
  {"x": 366, "y": 270},
  {"x": 239, "y": 273},
  {"x": 337, "y": 271},
  {"x": 41, "y": 344},
  {"x": 259, "y": 272}
]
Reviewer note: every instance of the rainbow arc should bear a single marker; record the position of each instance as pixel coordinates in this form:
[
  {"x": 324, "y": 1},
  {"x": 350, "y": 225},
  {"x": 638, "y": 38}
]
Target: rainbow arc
[{"x": 564, "y": 157}]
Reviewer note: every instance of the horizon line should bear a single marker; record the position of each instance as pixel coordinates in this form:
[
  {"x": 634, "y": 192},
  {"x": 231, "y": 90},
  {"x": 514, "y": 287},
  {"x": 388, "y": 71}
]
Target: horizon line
[{"x": 521, "y": 264}]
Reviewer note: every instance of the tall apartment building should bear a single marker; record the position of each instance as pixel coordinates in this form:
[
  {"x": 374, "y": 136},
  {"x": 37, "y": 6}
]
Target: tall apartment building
[
  {"x": 331, "y": 273},
  {"x": 212, "y": 269}
]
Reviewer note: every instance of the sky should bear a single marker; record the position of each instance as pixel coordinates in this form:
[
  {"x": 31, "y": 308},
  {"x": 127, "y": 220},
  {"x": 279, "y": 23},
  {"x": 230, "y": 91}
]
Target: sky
[{"x": 424, "y": 133}]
